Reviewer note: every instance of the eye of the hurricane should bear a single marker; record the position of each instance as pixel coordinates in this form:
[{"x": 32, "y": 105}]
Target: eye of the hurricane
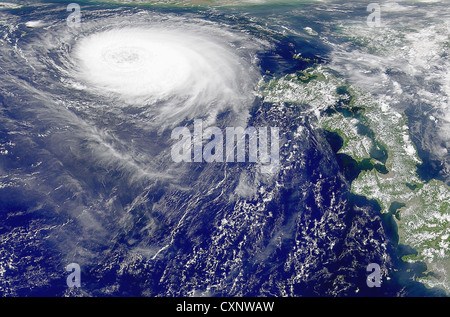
[{"x": 143, "y": 66}]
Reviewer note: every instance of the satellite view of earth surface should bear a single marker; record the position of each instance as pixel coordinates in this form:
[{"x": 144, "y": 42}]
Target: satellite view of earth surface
[{"x": 115, "y": 156}]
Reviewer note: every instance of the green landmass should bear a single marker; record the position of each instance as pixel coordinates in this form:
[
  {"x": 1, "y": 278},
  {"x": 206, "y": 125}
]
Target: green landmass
[
  {"x": 192, "y": 3},
  {"x": 377, "y": 145}
]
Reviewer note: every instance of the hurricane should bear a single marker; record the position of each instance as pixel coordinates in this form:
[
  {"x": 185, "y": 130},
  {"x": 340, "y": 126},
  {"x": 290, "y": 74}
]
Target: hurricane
[
  {"x": 193, "y": 74},
  {"x": 176, "y": 69}
]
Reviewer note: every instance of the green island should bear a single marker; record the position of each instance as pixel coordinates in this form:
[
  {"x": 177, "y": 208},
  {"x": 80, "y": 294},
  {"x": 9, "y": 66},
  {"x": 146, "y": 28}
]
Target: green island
[
  {"x": 376, "y": 138},
  {"x": 188, "y": 3}
]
